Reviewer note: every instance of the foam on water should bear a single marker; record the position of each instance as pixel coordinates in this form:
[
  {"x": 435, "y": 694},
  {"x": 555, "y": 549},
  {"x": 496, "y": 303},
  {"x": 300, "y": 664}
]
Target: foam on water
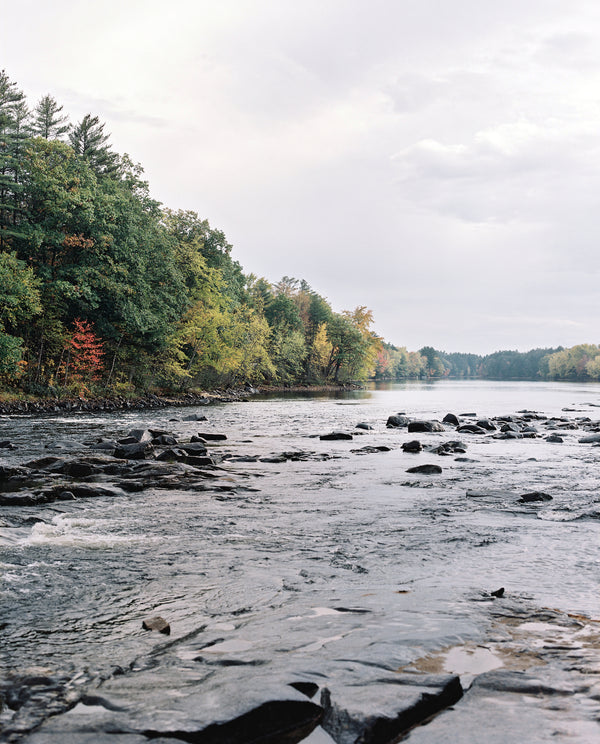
[{"x": 77, "y": 531}]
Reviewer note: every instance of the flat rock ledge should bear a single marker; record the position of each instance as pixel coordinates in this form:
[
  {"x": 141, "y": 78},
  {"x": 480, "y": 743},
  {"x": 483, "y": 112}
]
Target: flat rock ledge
[{"x": 377, "y": 710}]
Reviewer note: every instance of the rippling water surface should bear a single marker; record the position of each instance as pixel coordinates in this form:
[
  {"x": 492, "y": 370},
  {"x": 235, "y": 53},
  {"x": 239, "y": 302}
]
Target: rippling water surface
[{"x": 269, "y": 563}]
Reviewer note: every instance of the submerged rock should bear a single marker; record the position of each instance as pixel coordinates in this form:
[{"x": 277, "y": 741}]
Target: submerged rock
[
  {"x": 335, "y": 435},
  {"x": 509, "y": 434},
  {"x": 471, "y": 429},
  {"x": 590, "y": 438},
  {"x": 372, "y": 448},
  {"x": 157, "y": 623}
]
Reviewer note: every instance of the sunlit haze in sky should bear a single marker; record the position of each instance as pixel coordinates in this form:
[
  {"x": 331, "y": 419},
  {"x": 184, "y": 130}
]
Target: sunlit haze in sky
[{"x": 436, "y": 161}]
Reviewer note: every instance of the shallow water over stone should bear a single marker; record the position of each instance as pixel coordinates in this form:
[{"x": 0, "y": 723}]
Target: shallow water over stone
[{"x": 323, "y": 564}]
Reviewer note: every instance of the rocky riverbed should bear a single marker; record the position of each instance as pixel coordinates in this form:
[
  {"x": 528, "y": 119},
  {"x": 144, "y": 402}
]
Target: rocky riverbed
[{"x": 301, "y": 570}]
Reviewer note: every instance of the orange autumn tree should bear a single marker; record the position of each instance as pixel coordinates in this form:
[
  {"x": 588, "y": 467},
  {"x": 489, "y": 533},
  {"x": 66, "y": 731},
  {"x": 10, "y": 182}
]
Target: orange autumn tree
[{"x": 84, "y": 355}]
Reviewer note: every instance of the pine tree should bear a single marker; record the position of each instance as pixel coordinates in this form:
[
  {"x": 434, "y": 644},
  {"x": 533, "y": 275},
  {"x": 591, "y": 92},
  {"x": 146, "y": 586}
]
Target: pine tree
[
  {"x": 13, "y": 131},
  {"x": 89, "y": 141},
  {"x": 48, "y": 122}
]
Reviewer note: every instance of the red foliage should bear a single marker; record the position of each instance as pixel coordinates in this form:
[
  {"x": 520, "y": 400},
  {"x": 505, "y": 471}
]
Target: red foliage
[{"x": 86, "y": 352}]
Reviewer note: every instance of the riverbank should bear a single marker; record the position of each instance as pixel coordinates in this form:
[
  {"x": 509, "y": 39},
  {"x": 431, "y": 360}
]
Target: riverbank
[{"x": 149, "y": 401}]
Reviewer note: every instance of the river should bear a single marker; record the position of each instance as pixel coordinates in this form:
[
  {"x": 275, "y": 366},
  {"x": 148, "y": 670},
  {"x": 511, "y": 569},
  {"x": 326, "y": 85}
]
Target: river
[{"x": 327, "y": 555}]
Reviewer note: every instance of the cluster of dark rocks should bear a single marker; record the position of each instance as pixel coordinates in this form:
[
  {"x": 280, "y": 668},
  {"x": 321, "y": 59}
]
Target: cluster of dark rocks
[
  {"x": 522, "y": 425},
  {"x": 145, "y": 458}
]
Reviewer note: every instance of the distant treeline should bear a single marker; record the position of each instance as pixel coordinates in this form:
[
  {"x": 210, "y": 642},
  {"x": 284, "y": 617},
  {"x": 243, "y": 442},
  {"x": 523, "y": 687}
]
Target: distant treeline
[
  {"x": 101, "y": 288},
  {"x": 581, "y": 362}
]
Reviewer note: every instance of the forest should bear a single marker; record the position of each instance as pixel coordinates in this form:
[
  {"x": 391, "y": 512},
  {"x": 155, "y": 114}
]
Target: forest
[
  {"x": 580, "y": 362},
  {"x": 104, "y": 290}
]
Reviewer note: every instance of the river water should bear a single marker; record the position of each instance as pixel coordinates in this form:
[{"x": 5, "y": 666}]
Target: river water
[{"x": 266, "y": 565}]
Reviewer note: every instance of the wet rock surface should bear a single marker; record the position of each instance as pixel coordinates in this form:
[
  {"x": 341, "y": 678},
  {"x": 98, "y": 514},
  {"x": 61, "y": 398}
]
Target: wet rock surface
[{"x": 308, "y": 587}]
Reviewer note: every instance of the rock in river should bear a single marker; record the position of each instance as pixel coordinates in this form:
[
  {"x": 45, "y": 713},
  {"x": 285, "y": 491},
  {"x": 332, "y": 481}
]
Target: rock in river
[
  {"x": 528, "y": 498},
  {"x": 451, "y": 418},
  {"x": 425, "y": 469},
  {"x": 386, "y": 708},
  {"x": 413, "y": 446},
  {"x": 334, "y": 435},
  {"x": 590, "y": 439},
  {"x": 425, "y": 426},
  {"x": 134, "y": 451},
  {"x": 471, "y": 429},
  {"x": 397, "y": 421},
  {"x": 157, "y": 623}
]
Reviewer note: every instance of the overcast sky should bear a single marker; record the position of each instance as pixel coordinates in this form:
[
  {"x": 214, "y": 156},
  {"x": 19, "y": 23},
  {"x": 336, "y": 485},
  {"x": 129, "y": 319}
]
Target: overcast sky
[{"x": 435, "y": 160}]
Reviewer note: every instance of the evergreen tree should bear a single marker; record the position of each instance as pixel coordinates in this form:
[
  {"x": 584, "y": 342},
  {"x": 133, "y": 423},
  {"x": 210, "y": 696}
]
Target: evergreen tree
[
  {"x": 13, "y": 131},
  {"x": 48, "y": 122},
  {"x": 90, "y": 142}
]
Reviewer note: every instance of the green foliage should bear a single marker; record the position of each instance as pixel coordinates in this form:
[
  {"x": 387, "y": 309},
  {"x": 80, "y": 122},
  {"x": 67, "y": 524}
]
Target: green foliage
[
  {"x": 393, "y": 363},
  {"x": 515, "y": 365},
  {"x": 48, "y": 121},
  {"x": 88, "y": 140},
  {"x": 19, "y": 301},
  {"x": 580, "y": 362},
  {"x": 13, "y": 131},
  {"x": 101, "y": 286}
]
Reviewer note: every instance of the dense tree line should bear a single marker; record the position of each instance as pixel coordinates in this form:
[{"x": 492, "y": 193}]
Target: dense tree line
[
  {"x": 581, "y": 362},
  {"x": 103, "y": 288}
]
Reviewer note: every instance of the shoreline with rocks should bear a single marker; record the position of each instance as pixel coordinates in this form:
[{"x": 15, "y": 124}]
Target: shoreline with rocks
[{"x": 150, "y": 401}]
